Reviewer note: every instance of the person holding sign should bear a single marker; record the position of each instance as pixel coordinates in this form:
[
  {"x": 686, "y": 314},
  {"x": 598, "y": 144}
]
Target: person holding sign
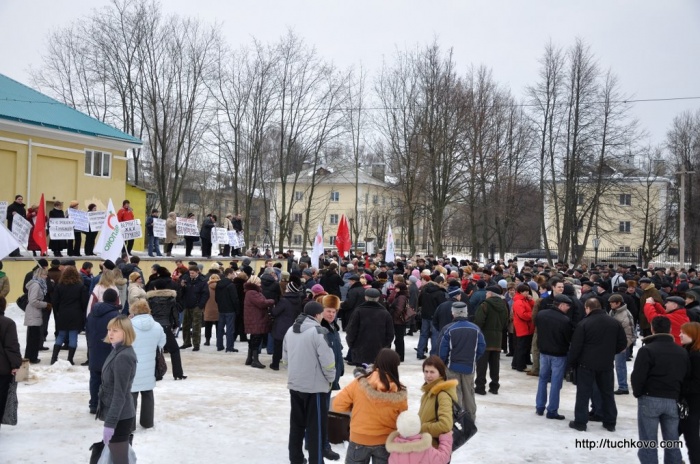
[
  {"x": 189, "y": 239},
  {"x": 15, "y": 208},
  {"x": 151, "y": 239},
  {"x": 126, "y": 214},
  {"x": 32, "y": 214},
  {"x": 170, "y": 233},
  {"x": 90, "y": 236},
  {"x": 74, "y": 245},
  {"x": 57, "y": 246}
]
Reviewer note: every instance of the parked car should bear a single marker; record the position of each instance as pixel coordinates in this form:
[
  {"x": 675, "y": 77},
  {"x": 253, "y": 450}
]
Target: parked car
[
  {"x": 537, "y": 253},
  {"x": 621, "y": 257}
]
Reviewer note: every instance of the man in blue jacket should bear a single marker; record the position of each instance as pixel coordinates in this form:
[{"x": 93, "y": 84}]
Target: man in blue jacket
[{"x": 460, "y": 344}]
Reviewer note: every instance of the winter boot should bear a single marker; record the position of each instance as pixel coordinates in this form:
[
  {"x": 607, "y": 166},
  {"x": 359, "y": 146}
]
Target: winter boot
[
  {"x": 71, "y": 353},
  {"x": 206, "y": 343},
  {"x": 56, "y": 351},
  {"x": 249, "y": 359},
  {"x": 256, "y": 363}
]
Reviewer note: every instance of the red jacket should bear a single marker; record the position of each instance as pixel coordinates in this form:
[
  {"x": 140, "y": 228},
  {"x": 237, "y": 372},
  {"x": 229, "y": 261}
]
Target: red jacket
[
  {"x": 125, "y": 215},
  {"x": 255, "y": 306},
  {"x": 677, "y": 317},
  {"x": 522, "y": 315}
]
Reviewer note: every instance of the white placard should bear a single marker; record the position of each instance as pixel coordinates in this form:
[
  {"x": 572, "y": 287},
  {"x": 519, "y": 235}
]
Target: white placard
[
  {"x": 187, "y": 227},
  {"x": 159, "y": 228},
  {"x": 131, "y": 229},
  {"x": 241, "y": 240},
  {"x": 3, "y": 211},
  {"x": 96, "y": 218},
  {"x": 219, "y": 235},
  {"x": 61, "y": 229},
  {"x": 233, "y": 238},
  {"x": 20, "y": 229},
  {"x": 81, "y": 221}
]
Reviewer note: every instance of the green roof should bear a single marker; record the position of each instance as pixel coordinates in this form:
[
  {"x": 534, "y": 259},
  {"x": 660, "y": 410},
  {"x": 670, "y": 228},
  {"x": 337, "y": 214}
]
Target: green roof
[{"x": 25, "y": 105}]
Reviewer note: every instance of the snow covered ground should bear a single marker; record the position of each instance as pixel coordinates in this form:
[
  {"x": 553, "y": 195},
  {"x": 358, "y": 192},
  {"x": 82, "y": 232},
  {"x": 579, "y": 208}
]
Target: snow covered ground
[{"x": 228, "y": 412}]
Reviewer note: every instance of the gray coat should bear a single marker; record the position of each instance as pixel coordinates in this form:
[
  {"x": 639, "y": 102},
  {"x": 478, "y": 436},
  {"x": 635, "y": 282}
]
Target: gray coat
[
  {"x": 35, "y": 306},
  {"x": 118, "y": 373},
  {"x": 308, "y": 353}
]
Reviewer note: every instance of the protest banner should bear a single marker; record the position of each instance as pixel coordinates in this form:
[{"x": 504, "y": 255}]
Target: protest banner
[
  {"x": 96, "y": 218},
  {"x": 61, "y": 229},
  {"x": 3, "y": 211},
  {"x": 131, "y": 229},
  {"x": 241, "y": 240},
  {"x": 159, "y": 228},
  {"x": 219, "y": 235},
  {"x": 81, "y": 221},
  {"x": 187, "y": 227},
  {"x": 20, "y": 229},
  {"x": 233, "y": 238}
]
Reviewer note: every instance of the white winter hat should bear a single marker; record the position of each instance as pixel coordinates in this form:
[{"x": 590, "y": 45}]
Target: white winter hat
[{"x": 408, "y": 424}]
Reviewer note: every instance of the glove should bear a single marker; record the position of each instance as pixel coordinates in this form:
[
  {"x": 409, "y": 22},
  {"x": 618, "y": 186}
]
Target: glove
[
  {"x": 49, "y": 306},
  {"x": 107, "y": 434}
]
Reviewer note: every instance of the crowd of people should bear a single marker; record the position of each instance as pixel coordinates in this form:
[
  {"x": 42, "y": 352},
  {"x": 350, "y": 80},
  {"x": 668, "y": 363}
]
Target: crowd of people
[{"x": 556, "y": 322}]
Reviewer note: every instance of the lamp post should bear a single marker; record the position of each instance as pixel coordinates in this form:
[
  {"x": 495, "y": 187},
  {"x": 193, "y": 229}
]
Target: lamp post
[{"x": 596, "y": 244}]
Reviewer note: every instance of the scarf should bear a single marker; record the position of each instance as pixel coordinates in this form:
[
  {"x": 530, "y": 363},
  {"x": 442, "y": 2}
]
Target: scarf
[{"x": 42, "y": 285}]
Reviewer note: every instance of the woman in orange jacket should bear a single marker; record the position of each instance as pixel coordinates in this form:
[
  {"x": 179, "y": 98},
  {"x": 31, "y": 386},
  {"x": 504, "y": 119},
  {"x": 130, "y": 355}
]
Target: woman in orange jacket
[{"x": 376, "y": 399}]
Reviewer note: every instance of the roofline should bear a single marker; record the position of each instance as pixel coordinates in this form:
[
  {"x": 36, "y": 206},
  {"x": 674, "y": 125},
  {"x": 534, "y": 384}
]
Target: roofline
[{"x": 67, "y": 135}]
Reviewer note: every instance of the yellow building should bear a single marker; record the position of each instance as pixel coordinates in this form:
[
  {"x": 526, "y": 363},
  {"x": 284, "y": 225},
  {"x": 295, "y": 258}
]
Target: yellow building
[
  {"x": 334, "y": 194},
  {"x": 628, "y": 206},
  {"x": 47, "y": 147}
]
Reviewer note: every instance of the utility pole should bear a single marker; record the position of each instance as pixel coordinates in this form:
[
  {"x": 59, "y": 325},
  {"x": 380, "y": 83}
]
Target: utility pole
[{"x": 681, "y": 231}]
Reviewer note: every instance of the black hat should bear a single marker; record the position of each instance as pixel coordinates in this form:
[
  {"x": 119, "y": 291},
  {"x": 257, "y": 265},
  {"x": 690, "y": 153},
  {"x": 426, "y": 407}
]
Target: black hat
[
  {"x": 695, "y": 281},
  {"x": 676, "y": 299},
  {"x": 494, "y": 289},
  {"x": 313, "y": 308},
  {"x": 373, "y": 293},
  {"x": 43, "y": 263},
  {"x": 108, "y": 265},
  {"x": 55, "y": 262},
  {"x": 561, "y": 298},
  {"x": 645, "y": 280}
]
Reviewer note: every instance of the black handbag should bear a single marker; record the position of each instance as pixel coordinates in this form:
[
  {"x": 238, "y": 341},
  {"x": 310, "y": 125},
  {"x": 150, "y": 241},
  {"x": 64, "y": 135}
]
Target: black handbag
[
  {"x": 10, "y": 416},
  {"x": 23, "y": 301},
  {"x": 96, "y": 451},
  {"x": 463, "y": 427},
  {"x": 161, "y": 366}
]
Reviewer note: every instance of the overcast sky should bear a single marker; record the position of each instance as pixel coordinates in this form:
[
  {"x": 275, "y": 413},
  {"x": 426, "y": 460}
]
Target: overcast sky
[{"x": 652, "y": 45}]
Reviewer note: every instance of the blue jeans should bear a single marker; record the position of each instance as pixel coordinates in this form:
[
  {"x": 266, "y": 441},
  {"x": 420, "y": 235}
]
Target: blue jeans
[
  {"x": 652, "y": 411},
  {"x": 153, "y": 245},
  {"x": 427, "y": 331},
  {"x": 621, "y": 370},
  {"x": 72, "y": 338},
  {"x": 552, "y": 369},
  {"x": 228, "y": 320}
]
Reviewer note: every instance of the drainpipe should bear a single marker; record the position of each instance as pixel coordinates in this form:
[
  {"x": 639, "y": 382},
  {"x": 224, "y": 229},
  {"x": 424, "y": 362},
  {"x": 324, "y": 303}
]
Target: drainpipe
[{"x": 27, "y": 196}]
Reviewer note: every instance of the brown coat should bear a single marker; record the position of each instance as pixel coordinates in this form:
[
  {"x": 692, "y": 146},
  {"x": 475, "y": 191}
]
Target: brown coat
[
  {"x": 255, "y": 307},
  {"x": 170, "y": 230},
  {"x": 211, "y": 309}
]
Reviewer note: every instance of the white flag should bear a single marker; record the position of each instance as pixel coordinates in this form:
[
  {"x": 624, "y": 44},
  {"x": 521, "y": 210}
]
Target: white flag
[
  {"x": 317, "y": 251},
  {"x": 8, "y": 242},
  {"x": 110, "y": 242},
  {"x": 390, "y": 255}
]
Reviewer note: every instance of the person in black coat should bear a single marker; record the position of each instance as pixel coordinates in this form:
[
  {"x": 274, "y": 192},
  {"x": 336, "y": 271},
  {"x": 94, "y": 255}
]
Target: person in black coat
[
  {"x": 56, "y": 213},
  {"x": 690, "y": 426},
  {"x": 164, "y": 310},
  {"x": 285, "y": 313},
  {"x": 596, "y": 341},
  {"x": 430, "y": 297},
  {"x": 205, "y": 235},
  {"x": 269, "y": 284},
  {"x": 657, "y": 381},
  {"x": 12, "y": 357},
  {"x": 354, "y": 298},
  {"x": 331, "y": 280},
  {"x": 195, "y": 293},
  {"x": 370, "y": 329},
  {"x": 69, "y": 300},
  {"x": 96, "y": 331},
  {"x": 443, "y": 313},
  {"x": 226, "y": 295},
  {"x": 17, "y": 207}
]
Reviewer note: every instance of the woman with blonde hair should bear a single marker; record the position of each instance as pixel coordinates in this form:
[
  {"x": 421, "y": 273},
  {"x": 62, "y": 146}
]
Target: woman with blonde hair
[
  {"x": 116, "y": 406},
  {"x": 106, "y": 281},
  {"x": 136, "y": 291},
  {"x": 170, "y": 233},
  {"x": 690, "y": 426},
  {"x": 33, "y": 318},
  {"x": 150, "y": 338}
]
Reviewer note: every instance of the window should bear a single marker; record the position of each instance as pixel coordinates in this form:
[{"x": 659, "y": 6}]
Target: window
[
  {"x": 190, "y": 196},
  {"x": 579, "y": 199},
  {"x": 332, "y": 239},
  {"x": 98, "y": 164},
  {"x": 375, "y": 199},
  {"x": 625, "y": 199},
  {"x": 334, "y": 219},
  {"x": 297, "y": 217},
  {"x": 335, "y": 196},
  {"x": 625, "y": 227},
  {"x": 298, "y": 196},
  {"x": 624, "y": 248},
  {"x": 296, "y": 240}
]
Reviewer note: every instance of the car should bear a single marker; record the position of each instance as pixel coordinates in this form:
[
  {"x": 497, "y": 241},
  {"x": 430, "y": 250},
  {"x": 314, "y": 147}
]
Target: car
[
  {"x": 537, "y": 253},
  {"x": 620, "y": 257}
]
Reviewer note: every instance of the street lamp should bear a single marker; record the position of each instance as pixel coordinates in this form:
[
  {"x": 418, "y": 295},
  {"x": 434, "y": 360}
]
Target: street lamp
[{"x": 596, "y": 244}]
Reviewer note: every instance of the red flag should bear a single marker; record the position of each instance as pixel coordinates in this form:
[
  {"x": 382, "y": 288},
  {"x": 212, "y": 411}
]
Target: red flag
[
  {"x": 342, "y": 238},
  {"x": 39, "y": 232}
]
